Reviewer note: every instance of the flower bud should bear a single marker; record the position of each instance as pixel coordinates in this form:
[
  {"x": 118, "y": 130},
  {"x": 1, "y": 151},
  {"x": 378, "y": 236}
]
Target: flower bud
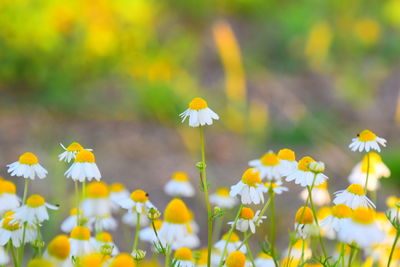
[
  {"x": 317, "y": 166},
  {"x": 153, "y": 214},
  {"x": 138, "y": 254},
  {"x": 106, "y": 249}
]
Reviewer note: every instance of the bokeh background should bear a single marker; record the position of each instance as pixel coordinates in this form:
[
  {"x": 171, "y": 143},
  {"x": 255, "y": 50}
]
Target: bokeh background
[{"x": 114, "y": 75}]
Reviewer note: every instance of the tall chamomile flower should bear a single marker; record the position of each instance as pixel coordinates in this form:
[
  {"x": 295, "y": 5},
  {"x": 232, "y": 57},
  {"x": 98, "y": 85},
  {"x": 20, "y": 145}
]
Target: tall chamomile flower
[
  {"x": 184, "y": 257},
  {"x": 248, "y": 220},
  {"x": 138, "y": 202},
  {"x": 303, "y": 222},
  {"x": 199, "y": 113},
  {"x": 80, "y": 241},
  {"x": 354, "y": 197},
  {"x": 58, "y": 251},
  {"x": 179, "y": 186},
  {"x": 222, "y": 199},
  {"x": 70, "y": 151},
  {"x": 250, "y": 188},
  {"x": 320, "y": 194},
  {"x": 97, "y": 202},
  {"x": 27, "y": 166},
  {"x": 8, "y": 196},
  {"x": 12, "y": 230},
  {"x": 84, "y": 167},
  {"x": 306, "y": 174},
  {"x": 367, "y": 140},
  {"x": 287, "y": 158},
  {"x": 268, "y": 165},
  {"x": 118, "y": 192},
  {"x": 70, "y": 222},
  {"x": 339, "y": 214},
  {"x": 34, "y": 211}
]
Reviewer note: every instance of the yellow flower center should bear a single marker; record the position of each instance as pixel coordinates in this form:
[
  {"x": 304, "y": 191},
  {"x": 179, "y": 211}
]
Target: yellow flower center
[
  {"x": 28, "y": 158},
  {"x": 73, "y": 211},
  {"x": 97, "y": 190},
  {"x": 9, "y": 223},
  {"x": 223, "y": 192},
  {"x": 366, "y": 135},
  {"x": 287, "y": 154},
  {"x": 270, "y": 184},
  {"x": 74, "y": 146},
  {"x": 80, "y": 233},
  {"x": 176, "y": 212},
  {"x": 234, "y": 237},
  {"x": 91, "y": 260},
  {"x": 304, "y": 162},
  {"x": 324, "y": 185},
  {"x": 104, "y": 237},
  {"x": 356, "y": 189},
  {"x": 270, "y": 159},
  {"x": 304, "y": 216},
  {"x": 139, "y": 196},
  {"x": 236, "y": 259},
  {"x": 324, "y": 212},
  {"x": 35, "y": 201},
  {"x": 123, "y": 260},
  {"x": 7, "y": 187},
  {"x": 184, "y": 254},
  {"x": 59, "y": 247},
  {"x": 158, "y": 224},
  {"x": 364, "y": 215},
  {"x": 251, "y": 177},
  {"x": 39, "y": 262},
  {"x": 198, "y": 103},
  {"x": 341, "y": 211},
  {"x": 85, "y": 156},
  {"x": 117, "y": 187},
  {"x": 391, "y": 201},
  {"x": 264, "y": 256},
  {"x": 180, "y": 177},
  {"x": 247, "y": 213}
]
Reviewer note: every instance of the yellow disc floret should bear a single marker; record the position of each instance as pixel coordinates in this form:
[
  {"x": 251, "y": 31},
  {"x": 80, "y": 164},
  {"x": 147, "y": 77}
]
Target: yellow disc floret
[
  {"x": 234, "y": 237},
  {"x": 39, "y": 262},
  {"x": 304, "y": 215},
  {"x": 139, "y": 196},
  {"x": 304, "y": 162},
  {"x": 251, "y": 177},
  {"x": 184, "y": 254},
  {"x": 236, "y": 259},
  {"x": 270, "y": 159},
  {"x": 7, "y": 187},
  {"x": 341, "y": 211},
  {"x": 366, "y": 136},
  {"x": 59, "y": 247},
  {"x": 364, "y": 215},
  {"x": 247, "y": 213},
  {"x": 223, "y": 192},
  {"x": 35, "y": 201},
  {"x": 180, "y": 177},
  {"x": 91, "y": 260},
  {"x": 9, "y": 222},
  {"x": 356, "y": 189},
  {"x": 85, "y": 156},
  {"x": 74, "y": 146},
  {"x": 123, "y": 260},
  {"x": 28, "y": 158},
  {"x": 97, "y": 190},
  {"x": 80, "y": 233},
  {"x": 117, "y": 187},
  {"x": 287, "y": 154},
  {"x": 176, "y": 212},
  {"x": 198, "y": 103},
  {"x": 104, "y": 237}
]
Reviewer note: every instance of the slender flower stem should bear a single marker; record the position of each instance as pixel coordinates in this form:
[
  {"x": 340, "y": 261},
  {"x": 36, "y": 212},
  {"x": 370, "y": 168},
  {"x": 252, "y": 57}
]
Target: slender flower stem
[
  {"x": 302, "y": 252},
  {"x": 341, "y": 257},
  {"x": 22, "y": 247},
  {"x": 249, "y": 254},
  {"x": 366, "y": 179},
  {"x": 14, "y": 256},
  {"x": 135, "y": 243},
  {"x": 77, "y": 202},
  {"x": 221, "y": 260},
  {"x": 353, "y": 251},
  {"x": 167, "y": 256},
  {"x": 39, "y": 240},
  {"x": 158, "y": 239},
  {"x": 203, "y": 177},
  {"x": 273, "y": 227},
  {"x": 393, "y": 247},
  {"x": 26, "y": 187}
]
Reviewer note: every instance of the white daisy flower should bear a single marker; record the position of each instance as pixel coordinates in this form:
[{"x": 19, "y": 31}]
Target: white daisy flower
[
  {"x": 288, "y": 161},
  {"x": 323, "y": 213},
  {"x": 8, "y": 196},
  {"x": 393, "y": 208},
  {"x": 70, "y": 151},
  {"x": 117, "y": 193},
  {"x": 184, "y": 257},
  {"x": 304, "y": 175},
  {"x": 249, "y": 188},
  {"x": 102, "y": 240},
  {"x": 276, "y": 187},
  {"x": 27, "y": 166},
  {"x": 70, "y": 222},
  {"x": 58, "y": 250},
  {"x": 354, "y": 197},
  {"x": 297, "y": 251},
  {"x": 11, "y": 229},
  {"x": 4, "y": 258},
  {"x": 34, "y": 211},
  {"x": 84, "y": 167},
  {"x": 320, "y": 194},
  {"x": 361, "y": 229},
  {"x": 233, "y": 243},
  {"x": 138, "y": 201},
  {"x": 339, "y": 214},
  {"x": 367, "y": 140},
  {"x": 268, "y": 165},
  {"x": 304, "y": 222},
  {"x": 130, "y": 218},
  {"x": 247, "y": 219},
  {"x": 222, "y": 199},
  {"x": 106, "y": 222},
  {"x": 179, "y": 186},
  {"x": 97, "y": 202},
  {"x": 264, "y": 260},
  {"x": 80, "y": 241},
  {"x": 199, "y": 113}
]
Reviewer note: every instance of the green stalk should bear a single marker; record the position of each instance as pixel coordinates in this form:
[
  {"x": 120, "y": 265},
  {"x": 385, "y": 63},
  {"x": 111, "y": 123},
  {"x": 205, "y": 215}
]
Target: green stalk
[
  {"x": 77, "y": 202},
  {"x": 353, "y": 250},
  {"x": 341, "y": 257},
  {"x": 393, "y": 247},
  {"x": 273, "y": 227},
  {"x": 22, "y": 247},
  {"x": 366, "y": 179},
  {"x": 302, "y": 252},
  {"x": 39, "y": 239},
  {"x": 167, "y": 256},
  {"x": 249, "y": 254},
  {"x": 14, "y": 256},
  {"x": 135, "y": 243}
]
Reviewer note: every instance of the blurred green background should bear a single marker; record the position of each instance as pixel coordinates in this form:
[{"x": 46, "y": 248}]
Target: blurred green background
[{"x": 114, "y": 75}]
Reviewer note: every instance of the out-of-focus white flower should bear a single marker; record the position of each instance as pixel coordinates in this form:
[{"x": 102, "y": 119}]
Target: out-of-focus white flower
[
  {"x": 70, "y": 222},
  {"x": 297, "y": 250},
  {"x": 84, "y": 167},
  {"x": 354, "y": 197},
  {"x": 184, "y": 257},
  {"x": 103, "y": 239},
  {"x": 320, "y": 194},
  {"x": 138, "y": 202},
  {"x": 27, "y": 166},
  {"x": 80, "y": 241},
  {"x": 97, "y": 202},
  {"x": 264, "y": 260},
  {"x": 339, "y": 214},
  {"x": 268, "y": 165},
  {"x": 58, "y": 251},
  {"x": 249, "y": 188},
  {"x": 199, "y": 113},
  {"x": 4, "y": 259},
  {"x": 304, "y": 176},
  {"x": 8, "y": 196},
  {"x": 367, "y": 140},
  {"x": 130, "y": 218},
  {"x": 11, "y": 229},
  {"x": 303, "y": 222},
  {"x": 233, "y": 243},
  {"x": 276, "y": 187},
  {"x": 288, "y": 161},
  {"x": 117, "y": 193},
  {"x": 222, "y": 199},
  {"x": 179, "y": 186}
]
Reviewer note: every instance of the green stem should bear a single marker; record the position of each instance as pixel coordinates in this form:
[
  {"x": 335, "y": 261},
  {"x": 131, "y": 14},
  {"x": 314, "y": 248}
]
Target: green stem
[
  {"x": 353, "y": 250},
  {"x": 14, "y": 256},
  {"x": 203, "y": 177},
  {"x": 22, "y": 247},
  {"x": 341, "y": 257},
  {"x": 77, "y": 202},
  {"x": 302, "y": 251},
  {"x": 167, "y": 256},
  {"x": 366, "y": 179},
  {"x": 249, "y": 254},
  {"x": 135, "y": 243},
  {"x": 273, "y": 227},
  {"x": 26, "y": 186},
  {"x": 39, "y": 239},
  {"x": 393, "y": 247}
]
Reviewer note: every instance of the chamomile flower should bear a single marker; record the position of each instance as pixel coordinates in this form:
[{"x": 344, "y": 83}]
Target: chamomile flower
[
  {"x": 297, "y": 250},
  {"x": 123, "y": 260},
  {"x": 247, "y": 219},
  {"x": 117, "y": 193},
  {"x": 138, "y": 201},
  {"x": 264, "y": 259},
  {"x": 80, "y": 241},
  {"x": 393, "y": 207},
  {"x": 102, "y": 240},
  {"x": 93, "y": 259},
  {"x": 58, "y": 251},
  {"x": 339, "y": 214},
  {"x": 304, "y": 175},
  {"x": 322, "y": 214},
  {"x": 199, "y": 113},
  {"x": 268, "y": 166},
  {"x": 184, "y": 257},
  {"x": 8, "y": 196},
  {"x": 84, "y": 167},
  {"x": 222, "y": 199},
  {"x": 367, "y": 140},
  {"x": 275, "y": 186},
  {"x": 130, "y": 218},
  {"x": 11, "y": 229},
  {"x": 27, "y": 166},
  {"x": 97, "y": 202},
  {"x": 354, "y": 197},
  {"x": 233, "y": 243},
  {"x": 4, "y": 259},
  {"x": 320, "y": 194},
  {"x": 249, "y": 188},
  {"x": 106, "y": 222},
  {"x": 235, "y": 259},
  {"x": 34, "y": 211},
  {"x": 287, "y": 158},
  {"x": 303, "y": 222},
  {"x": 70, "y": 222},
  {"x": 70, "y": 151},
  {"x": 179, "y": 186},
  {"x": 361, "y": 228}
]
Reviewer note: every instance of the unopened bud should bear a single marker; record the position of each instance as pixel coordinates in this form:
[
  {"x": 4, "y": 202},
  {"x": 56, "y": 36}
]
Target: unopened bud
[
  {"x": 138, "y": 254},
  {"x": 38, "y": 244},
  {"x": 106, "y": 249},
  {"x": 317, "y": 166},
  {"x": 153, "y": 214}
]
